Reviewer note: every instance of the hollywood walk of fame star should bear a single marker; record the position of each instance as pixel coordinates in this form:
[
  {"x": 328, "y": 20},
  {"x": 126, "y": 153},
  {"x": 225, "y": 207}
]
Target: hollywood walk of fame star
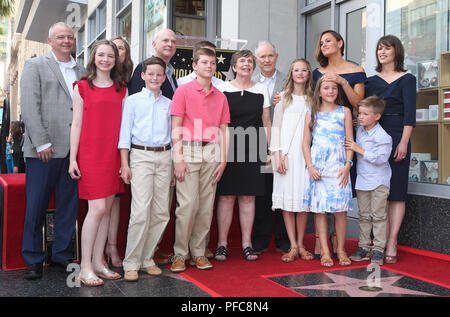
[
  {"x": 221, "y": 59},
  {"x": 229, "y": 75},
  {"x": 354, "y": 287}
]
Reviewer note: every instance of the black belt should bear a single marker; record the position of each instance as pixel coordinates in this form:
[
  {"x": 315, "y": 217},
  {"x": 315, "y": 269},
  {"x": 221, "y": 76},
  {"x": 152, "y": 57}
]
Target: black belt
[
  {"x": 392, "y": 114},
  {"x": 151, "y": 148},
  {"x": 196, "y": 143}
]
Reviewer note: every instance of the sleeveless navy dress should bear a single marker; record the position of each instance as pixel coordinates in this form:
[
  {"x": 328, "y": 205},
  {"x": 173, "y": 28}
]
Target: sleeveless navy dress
[{"x": 400, "y": 111}]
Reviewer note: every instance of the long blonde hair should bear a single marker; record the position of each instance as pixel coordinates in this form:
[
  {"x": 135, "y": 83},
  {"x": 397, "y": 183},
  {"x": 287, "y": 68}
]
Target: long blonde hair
[{"x": 286, "y": 98}]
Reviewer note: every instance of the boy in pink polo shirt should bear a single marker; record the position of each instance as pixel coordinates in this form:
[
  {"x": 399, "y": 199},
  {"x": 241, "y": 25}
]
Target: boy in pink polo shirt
[{"x": 200, "y": 117}]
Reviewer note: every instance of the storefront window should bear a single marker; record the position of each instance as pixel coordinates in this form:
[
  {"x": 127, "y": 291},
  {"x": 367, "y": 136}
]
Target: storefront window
[
  {"x": 316, "y": 23},
  {"x": 423, "y": 27},
  {"x": 308, "y": 2},
  {"x": 154, "y": 19},
  {"x": 97, "y": 25},
  {"x": 190, "y": 17},
  {"x": 80, "y": 45},
  {"x": 123, "y": 16}
]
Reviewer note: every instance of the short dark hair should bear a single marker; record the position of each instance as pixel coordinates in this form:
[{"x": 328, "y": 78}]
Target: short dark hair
[
  {"x": 373, "y": 102},
  {"x": 320, "y": 58},
  {"x": 243, "y": 53},
  {"x": 202, "y": 44},
  {"x": 392, "y": 41},
  {"x": 153, "y": 61},
  {"x": 203, "y": 51}
]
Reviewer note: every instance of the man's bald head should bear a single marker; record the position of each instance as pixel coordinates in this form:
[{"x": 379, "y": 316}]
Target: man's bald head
[{"x": 164, "y": 44}]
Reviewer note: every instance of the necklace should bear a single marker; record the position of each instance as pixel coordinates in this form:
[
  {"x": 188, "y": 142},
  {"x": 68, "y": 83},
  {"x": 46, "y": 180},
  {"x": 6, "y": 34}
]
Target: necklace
[{"x": 99, "y": 83}]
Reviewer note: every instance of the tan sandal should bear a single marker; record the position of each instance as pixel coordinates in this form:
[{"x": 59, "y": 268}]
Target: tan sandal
[
  {"x": 291, "y": 256},
  {"x": 343, "y": 258},
  {"x": 304, "y": 254},
  {"x": 325, "y": 260}
]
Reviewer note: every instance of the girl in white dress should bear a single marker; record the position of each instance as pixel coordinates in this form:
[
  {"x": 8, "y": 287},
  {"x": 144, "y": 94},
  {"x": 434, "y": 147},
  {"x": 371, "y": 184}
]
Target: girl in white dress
[{"x": 289, "y": 163}]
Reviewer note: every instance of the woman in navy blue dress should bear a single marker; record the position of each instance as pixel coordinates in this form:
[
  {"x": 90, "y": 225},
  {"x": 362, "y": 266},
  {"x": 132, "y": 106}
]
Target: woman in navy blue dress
[
  {"x": 398, "y": 89},
  {"x": 350, "y": 79}
]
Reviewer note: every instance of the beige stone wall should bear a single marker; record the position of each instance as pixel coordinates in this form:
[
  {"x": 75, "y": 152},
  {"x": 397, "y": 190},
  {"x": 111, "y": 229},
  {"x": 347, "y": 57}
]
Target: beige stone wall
[{"x": 21, "y": 50}]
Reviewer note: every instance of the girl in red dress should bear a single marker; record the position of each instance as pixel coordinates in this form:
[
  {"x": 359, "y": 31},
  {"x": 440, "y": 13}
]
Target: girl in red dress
[{"x": 94, "y": 157}]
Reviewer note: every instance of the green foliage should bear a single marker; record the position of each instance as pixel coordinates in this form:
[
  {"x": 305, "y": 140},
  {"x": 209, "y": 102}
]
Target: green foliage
[{"x": 6, "y": 8}]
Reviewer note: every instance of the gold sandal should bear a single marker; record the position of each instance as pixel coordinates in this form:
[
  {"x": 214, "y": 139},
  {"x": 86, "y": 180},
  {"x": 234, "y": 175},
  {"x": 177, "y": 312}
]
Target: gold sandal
[
  {"x": 304, "y": 254},
  {"x": 291, "y": 256},
  {"x": 325, "y": 260},
  {"x": 343, "y": 259}
]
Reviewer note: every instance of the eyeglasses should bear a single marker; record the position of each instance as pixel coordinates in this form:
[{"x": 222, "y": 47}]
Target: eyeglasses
[{"x": 63, "y": 37}]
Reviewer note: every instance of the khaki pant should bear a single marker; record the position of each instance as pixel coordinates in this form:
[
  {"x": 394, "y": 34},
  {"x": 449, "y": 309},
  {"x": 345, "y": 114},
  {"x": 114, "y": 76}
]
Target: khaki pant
[
  {"x": 150, "y": 182},
  {"x": 372, "y": 217},
  {"x": 195, "y": 199}
]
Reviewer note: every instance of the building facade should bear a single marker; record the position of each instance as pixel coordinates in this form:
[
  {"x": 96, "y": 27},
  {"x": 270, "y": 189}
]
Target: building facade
[{"x": 294, "y": 27}]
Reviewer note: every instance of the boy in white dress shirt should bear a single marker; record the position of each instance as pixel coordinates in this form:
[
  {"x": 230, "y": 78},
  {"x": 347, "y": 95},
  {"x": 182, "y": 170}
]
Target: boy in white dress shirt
[
  {"x": 145, "y": 133},
  {"x": 373, "y": 147}
]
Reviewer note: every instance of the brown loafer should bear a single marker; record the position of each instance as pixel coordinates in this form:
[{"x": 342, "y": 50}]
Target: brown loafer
[
  {"x": 131, "y": 276},
  {"x": 152, "y": 270},
  {"x": 178, "y": 264},
  {"x": 201, "y": 262}
]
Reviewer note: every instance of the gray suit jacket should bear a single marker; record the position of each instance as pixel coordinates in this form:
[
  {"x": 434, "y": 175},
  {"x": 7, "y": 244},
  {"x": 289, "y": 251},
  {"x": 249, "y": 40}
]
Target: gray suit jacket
[
  {"x": 46, "y": 106},
  {"x": 279, "y": 84}
]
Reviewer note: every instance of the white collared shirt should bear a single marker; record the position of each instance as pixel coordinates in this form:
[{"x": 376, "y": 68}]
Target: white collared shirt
[
  {"x": 373, "y": 168},
  {"x": 146, "y": 120},
  {"x": 70, "y": 76},
  {"x": 68, "y": 72},
  {"x": 269, "y": 82},
  {"x": 188, "y": 78}
]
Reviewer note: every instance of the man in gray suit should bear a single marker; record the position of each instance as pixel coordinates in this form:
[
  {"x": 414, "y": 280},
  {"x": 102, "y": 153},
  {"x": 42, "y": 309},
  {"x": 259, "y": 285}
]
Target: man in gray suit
[
  {"x": 266, "y": 58},
  {"x": 46, "y": 103}
]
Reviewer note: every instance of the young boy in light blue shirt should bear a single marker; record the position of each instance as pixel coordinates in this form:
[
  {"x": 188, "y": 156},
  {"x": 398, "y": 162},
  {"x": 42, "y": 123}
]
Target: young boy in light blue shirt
[
  {"x": 145, "y": 136},
  {"x": 373, "y": 147}
]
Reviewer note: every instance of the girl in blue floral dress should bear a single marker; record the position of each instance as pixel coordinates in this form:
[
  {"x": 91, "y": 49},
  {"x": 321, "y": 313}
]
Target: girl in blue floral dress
[{"x": 328, "y": 186}]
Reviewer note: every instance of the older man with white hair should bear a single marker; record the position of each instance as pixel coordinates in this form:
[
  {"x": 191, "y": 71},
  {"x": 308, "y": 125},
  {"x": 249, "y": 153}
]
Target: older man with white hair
[{"x": 265, "y": 218}]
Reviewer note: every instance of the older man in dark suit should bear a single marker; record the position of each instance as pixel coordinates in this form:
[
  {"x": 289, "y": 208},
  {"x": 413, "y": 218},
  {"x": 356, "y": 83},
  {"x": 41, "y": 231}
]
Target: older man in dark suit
[
  {"x": 46, "y": 103},
  {"x": 165, "y": 47},
  {"x": 265, "y": 219}
]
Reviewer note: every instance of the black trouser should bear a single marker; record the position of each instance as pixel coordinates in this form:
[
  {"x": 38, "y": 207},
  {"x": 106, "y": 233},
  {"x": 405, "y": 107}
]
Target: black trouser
[{"x": 266, "y": 218}]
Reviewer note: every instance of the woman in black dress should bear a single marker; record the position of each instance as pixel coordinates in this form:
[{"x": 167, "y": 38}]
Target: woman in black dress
[
  {"x": 249, "y": 104},
  {"x": 398, "y": 89}
]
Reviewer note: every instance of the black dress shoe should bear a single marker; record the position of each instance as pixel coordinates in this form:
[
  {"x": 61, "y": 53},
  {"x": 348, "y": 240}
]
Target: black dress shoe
[
  {"x": 60, "y": 265},
  {"x": 34, "y": 272}
]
